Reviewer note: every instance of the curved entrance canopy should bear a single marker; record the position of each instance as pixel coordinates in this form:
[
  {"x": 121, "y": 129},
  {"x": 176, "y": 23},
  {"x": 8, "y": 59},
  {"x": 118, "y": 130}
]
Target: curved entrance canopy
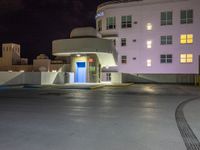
[{"x": 104, "y": 49}]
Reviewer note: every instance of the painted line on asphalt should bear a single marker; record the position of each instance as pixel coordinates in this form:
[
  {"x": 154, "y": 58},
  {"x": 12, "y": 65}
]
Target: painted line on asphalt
[{"x": 190, "y": 139}]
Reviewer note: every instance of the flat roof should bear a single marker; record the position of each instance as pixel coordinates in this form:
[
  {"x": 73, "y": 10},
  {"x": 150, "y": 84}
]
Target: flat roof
[
  {"x": 116, "y": 2},
  {"x": 112, "y": 2}
]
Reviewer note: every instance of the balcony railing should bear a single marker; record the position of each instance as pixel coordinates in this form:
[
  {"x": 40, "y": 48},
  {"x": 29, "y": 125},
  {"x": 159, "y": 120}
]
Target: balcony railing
[{"x": 116, "y": 2}]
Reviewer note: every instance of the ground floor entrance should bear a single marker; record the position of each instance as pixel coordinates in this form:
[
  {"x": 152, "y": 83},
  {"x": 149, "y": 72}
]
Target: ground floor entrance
[{"x": 81, "y": 72}]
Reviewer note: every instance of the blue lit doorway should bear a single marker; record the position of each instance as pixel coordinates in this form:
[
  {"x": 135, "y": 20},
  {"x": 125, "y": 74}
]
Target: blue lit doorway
[{"x": 81, "y": 72}]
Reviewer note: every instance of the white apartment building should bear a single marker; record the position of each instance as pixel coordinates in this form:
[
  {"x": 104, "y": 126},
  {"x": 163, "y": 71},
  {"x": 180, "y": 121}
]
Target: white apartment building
[{"x": 156, "y": 40}]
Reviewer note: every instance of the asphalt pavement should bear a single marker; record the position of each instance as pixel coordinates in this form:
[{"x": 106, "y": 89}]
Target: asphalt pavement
[{"x": 138, "y": 117}]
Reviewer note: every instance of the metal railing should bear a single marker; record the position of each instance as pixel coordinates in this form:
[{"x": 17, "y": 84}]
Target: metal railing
[{"x": 116, "y": 2}]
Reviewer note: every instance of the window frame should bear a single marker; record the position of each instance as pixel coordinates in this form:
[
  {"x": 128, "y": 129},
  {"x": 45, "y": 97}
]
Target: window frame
[
  {"x": 166, "y": 18},
  {"x": 126, "y": 22},
  {"x": 186, "y": 58},
  {"x": 111, "y": 23},
  {"x": 123, "y": 42},
  {"x": 166, "y": 40},
  {"x": 100, "y": 25},
  {"x": 123, "y": 59},
  {"x": 186, "y": 39},
  {"x": 166, "y": 58},
  {"x": 187, "y": 16}
]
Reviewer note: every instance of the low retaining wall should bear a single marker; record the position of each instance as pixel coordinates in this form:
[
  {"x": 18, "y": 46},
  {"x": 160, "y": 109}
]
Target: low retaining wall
[{"x": 35, "y": 78}]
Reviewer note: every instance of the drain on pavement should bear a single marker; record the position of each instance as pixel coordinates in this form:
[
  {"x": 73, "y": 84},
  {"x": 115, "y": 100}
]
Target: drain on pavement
[{"x": 189, "y": 138}]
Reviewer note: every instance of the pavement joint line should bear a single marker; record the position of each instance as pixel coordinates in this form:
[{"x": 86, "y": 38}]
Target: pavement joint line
[{"x": 190, "y": 139}]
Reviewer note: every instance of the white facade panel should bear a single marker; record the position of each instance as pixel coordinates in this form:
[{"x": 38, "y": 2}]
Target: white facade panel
[{"x": 137, "y": 53}]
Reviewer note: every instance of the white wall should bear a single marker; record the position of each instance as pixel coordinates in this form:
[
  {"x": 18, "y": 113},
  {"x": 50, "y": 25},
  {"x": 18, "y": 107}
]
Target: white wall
[
  {"x": 150, "y": 13},
  {"x": 35, "y": 78}
]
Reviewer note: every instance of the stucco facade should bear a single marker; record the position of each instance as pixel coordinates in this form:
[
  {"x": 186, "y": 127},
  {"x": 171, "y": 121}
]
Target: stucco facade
[{"x": 143, "y": 48}]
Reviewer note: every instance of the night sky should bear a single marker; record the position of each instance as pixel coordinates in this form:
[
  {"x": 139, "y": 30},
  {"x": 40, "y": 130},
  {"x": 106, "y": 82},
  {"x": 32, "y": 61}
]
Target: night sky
[{"x": 36, "y": 23}]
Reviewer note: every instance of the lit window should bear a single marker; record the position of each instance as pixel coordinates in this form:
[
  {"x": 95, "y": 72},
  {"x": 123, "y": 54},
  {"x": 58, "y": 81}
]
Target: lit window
[
  {"x": 186, "y": 38},
  {"x": 110, "y": 23},
  {"x": 186, "y": 58},
  {"x": 149, "y": 26},
  {"x": 149, "y": 63},
  {"x": 123, "y": 42},
  {"x": 149, "y": 44},
  {"x": 126, "y": 21},
  {"x": 190, "y": 38},
  {"x": 124, "y": 59},
  {"x": 187, "y": 16},
  {"x": 166, "y": 18}
]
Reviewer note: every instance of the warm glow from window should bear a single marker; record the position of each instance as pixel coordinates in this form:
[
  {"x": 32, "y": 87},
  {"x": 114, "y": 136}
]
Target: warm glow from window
[
  {"x": 149, "y": 26},
  {"x": 186, "y": 58},
  {"x": 149, "y": 63},
  {"x": 149, "y": 44},
  {"x": 190, "y": 38},
  {"x": 186, "y": 39}
]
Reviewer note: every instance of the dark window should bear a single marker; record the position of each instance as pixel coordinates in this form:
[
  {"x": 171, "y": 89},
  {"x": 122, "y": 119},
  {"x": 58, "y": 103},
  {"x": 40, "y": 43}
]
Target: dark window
[
  {"x": 166, "y": 18},
  {"x": 100, "y": 25},
  {"x": 126, "y": 21},
  {"x": 123, "y": 42},
  {"x": 110, "y": 23},
  {"x": 187, "y": 16},
  {"x": 124, "y": 59},
  {"x": 166, "y": 58},
  {"x": 166, "y": 40}
]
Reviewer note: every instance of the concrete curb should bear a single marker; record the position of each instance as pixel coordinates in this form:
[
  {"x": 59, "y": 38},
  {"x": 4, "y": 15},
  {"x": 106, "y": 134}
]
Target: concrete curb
[
  {"x": 120, "y": 85},
  {"x": 86, "y": 87}
]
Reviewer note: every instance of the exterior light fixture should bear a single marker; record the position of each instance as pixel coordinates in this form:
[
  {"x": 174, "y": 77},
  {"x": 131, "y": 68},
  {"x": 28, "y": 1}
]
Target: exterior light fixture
[
  {"x": 91, "y": 60},
  {"x": 21, "y": 70},
  {"x": 107, "y": 67},
  {"x": 54, "y": 70},
  {"x": 78, "y": 55},
  {"x": 149, "y": 44},
  {"x": 149, "y": 26},
  {"x": 149, "y": 61}
]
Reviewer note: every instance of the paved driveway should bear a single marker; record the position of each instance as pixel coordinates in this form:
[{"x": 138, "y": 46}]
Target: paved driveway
[{"x": 139, "y": 117}]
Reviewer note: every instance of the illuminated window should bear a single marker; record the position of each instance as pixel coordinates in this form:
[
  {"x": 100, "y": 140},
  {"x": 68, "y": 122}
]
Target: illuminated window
[
  {"x": 110, "y": 23},
  {"x": 166, "y": 59},
  {"x": 149, "y": 44},
  {"x": 149, "y": 63},
  {"x": 166, "y": 18},
  {"x": 99, "y": 25},
  {"x": 166, "y": 40},
  {"x": 186, "y": 38},
  {"x": 186, "y": 58},
  {"x": 149, "y": 26},
  {"x": 126, "y": 21},
  {"x": 186, "y": 16},
  {"x": 124, "y": 59},
  {"x": 123, "y": 42}
]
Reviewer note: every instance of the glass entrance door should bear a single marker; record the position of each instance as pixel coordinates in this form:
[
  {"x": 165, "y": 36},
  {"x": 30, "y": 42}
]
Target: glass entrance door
[{"x": 81, "y": 72}]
